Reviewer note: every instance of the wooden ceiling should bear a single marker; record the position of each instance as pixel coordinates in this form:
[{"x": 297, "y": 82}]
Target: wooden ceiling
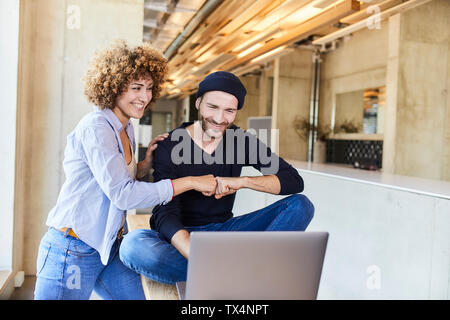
[
  {"x": 164, "y": 20},
  {"x": 241, "y": 35}
]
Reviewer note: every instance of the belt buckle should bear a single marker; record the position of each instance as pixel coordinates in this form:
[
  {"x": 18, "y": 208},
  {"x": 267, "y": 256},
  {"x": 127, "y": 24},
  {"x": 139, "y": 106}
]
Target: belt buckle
[{"x": 120, "y": 233}]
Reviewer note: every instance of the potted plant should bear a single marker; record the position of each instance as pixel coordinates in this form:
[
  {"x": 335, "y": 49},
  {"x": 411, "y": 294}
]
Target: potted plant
[{"x": 347, "y": 126}]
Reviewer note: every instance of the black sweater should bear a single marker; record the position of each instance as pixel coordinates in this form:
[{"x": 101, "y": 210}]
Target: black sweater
[{"x": 183, "y": 157}]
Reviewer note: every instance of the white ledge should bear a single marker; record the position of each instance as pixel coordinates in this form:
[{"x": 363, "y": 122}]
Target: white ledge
[
  {"x": 356, "y": 136},
  {"x": 429, "y": 187}
]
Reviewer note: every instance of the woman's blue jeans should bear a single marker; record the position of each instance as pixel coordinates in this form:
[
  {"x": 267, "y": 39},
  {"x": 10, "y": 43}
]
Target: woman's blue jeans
[
  {"x": 147, "y": 253},
  {"x": 69, "y": 269}
]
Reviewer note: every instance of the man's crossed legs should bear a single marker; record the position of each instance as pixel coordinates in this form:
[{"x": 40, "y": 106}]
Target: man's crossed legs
[{"x": 147, "y": 253}]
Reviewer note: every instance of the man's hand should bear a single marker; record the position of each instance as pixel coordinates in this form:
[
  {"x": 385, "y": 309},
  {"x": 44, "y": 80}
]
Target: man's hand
[
  {"x": 152, "y": 146},
  {"x": 227, "y": 186},
  {"x": 145, "y": 165}
]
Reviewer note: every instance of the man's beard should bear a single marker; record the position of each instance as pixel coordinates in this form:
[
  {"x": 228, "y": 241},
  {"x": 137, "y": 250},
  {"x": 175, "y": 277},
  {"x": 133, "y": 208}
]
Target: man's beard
[{"x": 212, "y": 132}]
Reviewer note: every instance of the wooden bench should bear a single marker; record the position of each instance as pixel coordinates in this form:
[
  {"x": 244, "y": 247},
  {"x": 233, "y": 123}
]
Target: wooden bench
[{"x": 153, "y": 290}]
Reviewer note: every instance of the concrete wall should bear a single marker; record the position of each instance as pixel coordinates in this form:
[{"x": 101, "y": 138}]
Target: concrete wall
[
  {"x": 417, "y": 134},
  {"x": 294, "y": 91},
  {"x": 349, "y": 107},
  {"x": 294, "y": 94},
  {"x": 252, "y": 100},
  {"x": 410, "y": 55},
  {"x": 58, "y": 38},
  {"x": 173, "y": 106},
  {"x": 357, "y": 64},
  {"x": 446, "y": 148}
]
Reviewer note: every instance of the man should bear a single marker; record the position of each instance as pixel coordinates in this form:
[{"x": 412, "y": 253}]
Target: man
[{"x": 213, "y": 145}]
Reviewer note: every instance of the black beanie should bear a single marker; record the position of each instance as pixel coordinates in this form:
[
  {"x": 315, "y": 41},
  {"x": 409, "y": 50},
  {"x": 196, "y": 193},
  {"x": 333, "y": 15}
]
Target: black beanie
[{"x": 223, "y": 81}]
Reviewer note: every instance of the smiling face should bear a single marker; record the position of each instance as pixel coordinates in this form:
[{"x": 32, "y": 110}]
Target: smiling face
[
  {"x": 132, "y": 102},
  {"x": 216, "y": 111}
]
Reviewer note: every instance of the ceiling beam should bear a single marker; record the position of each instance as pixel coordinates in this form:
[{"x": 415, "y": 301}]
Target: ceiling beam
[
  {"x": 364, "y": 23},
  {"x": 211, "y": 41},
  {"x": 302, "y": 31}
]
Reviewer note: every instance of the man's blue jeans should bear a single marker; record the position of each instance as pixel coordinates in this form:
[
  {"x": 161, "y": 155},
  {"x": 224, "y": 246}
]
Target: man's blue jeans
[{"x": 147, "y": 253}]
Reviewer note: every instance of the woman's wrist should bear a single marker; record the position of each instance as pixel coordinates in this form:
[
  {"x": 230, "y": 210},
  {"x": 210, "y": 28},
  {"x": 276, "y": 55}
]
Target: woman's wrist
[{"x": 181, "y": 185}]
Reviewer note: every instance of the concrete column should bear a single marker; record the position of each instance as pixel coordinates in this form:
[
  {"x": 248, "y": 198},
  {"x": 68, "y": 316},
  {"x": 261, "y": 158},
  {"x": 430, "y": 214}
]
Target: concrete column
[
  {"x": 417, "y": 134},
  {"x": 252, "y": 99},
  {"x": 58, "y": 39},
  {"x": 274, "y": 137},
  {"x": 262, "y": 103},
  {"x": 293, "y": 99}
]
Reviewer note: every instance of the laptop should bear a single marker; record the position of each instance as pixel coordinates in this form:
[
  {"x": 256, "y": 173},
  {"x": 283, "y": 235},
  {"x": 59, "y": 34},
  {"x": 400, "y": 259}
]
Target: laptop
[{"x": 249, "y": 265}]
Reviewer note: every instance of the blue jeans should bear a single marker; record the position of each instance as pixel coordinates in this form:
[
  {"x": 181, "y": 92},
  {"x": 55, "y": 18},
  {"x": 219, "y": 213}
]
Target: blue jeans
[
  {"x": 147, "y": 253},
  {"x": 69, "y": 269}
]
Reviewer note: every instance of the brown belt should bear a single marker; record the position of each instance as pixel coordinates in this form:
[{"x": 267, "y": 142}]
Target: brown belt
[{"x": 71, "y": 233}]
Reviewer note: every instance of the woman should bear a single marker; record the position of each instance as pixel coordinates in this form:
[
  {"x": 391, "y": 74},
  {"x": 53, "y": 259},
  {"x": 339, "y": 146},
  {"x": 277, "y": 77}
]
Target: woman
[{"x": 79, "y": 252}]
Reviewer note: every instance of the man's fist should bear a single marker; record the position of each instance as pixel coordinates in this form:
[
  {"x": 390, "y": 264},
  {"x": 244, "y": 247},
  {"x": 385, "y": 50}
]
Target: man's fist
[{"x": 227, "y": 186}]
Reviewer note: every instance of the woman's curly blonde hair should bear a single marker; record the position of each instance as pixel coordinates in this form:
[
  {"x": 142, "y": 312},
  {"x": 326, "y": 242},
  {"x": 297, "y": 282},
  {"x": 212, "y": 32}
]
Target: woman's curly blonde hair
[{"x": 113, "y": 69}]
